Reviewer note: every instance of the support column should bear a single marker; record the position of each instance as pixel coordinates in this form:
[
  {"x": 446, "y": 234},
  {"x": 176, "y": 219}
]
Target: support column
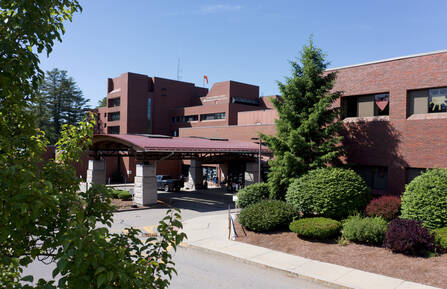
[
  {"x": 195, "y": 179},
  {"x": 251, "y": 173},
  {"x": 96, "y": 172},
  {"x": 145, "y": 185}
]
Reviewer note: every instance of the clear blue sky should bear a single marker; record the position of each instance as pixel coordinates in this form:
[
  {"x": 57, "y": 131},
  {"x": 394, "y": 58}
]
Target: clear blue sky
[{"x": 246, "y": 41}]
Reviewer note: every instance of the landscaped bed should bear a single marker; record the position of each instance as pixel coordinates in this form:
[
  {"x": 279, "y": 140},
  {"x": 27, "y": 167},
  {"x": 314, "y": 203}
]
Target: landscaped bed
[{"x": 431, "y": 271}]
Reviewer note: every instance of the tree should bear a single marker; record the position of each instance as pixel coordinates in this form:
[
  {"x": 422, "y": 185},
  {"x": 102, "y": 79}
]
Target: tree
[
  {"x": 41, "y": 213},
  {"x": 308, "y": 122},
  {"x": 102, "y": 102},
  {"x": 61, "y": 102}
]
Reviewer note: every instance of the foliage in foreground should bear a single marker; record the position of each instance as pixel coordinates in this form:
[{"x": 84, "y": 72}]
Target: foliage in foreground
[
  {"x": 308, "y": 124},
  {"x": 409, "y": 237},
  {"x": 425, "y": 199},
  {"x": 365, "y": 230},
  {"x": 318, "y": 228},
  {"x": 252, "y": 194},
  {"x": 41, "y": 214},
  {"x": 266, "y": 215},
  {"x": 386, "y": 207},
  {"x": 328, "y": 192}
]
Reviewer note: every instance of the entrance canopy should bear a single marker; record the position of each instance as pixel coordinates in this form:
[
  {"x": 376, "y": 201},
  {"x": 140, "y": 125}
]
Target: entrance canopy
[{"x": 157, "y": 147}]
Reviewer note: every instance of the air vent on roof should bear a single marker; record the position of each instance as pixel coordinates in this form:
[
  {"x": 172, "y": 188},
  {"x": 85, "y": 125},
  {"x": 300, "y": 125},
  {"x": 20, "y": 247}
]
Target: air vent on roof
[{"x": 210, "y": 138}]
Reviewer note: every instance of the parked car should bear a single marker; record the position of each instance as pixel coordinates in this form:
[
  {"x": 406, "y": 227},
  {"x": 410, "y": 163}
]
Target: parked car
[{"x": 168, "y": 184}]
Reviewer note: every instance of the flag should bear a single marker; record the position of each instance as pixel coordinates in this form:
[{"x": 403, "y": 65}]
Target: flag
[{"x": 206, "y": 78}]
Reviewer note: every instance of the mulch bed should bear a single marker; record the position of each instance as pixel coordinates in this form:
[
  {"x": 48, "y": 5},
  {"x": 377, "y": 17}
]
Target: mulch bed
[{"x": 431, "y": 271}]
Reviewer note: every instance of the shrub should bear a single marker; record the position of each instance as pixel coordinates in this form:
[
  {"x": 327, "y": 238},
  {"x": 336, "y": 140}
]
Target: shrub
[
  {"x": 441, "y": 237},
  {"x": 252, "y": 194},
  {"x": 386, "y": 207},
  {"x": 328, "y": 192},
  {"x": 365, "y": 230},
  {"x": 425, "y": 199},
  {"x": 125, "y": 195},
  {"x": 408, "y": 237},
  {"x": 115, "y": 193},
  {"x": 266, "y": 215},
  {"x": 316, "y": 228}
]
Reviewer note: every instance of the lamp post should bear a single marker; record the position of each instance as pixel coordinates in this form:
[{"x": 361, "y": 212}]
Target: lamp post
[{"x": 259, "y": 158}]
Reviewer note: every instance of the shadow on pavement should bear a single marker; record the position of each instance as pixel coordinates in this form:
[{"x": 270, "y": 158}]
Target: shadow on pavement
[{"x": 210, "y": 200}]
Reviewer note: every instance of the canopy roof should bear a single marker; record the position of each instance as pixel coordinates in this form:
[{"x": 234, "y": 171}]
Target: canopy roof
[{"x": 156, "y": 147}]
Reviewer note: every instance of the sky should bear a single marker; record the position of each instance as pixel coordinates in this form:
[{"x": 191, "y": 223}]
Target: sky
[{"x": 246, "y": 41}]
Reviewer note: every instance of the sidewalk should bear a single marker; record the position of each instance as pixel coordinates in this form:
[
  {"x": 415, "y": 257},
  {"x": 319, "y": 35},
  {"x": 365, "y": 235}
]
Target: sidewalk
[{"x": 211, "y": 233}]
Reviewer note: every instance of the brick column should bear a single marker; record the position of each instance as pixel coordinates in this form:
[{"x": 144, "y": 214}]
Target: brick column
[
  {"x": 251, "y": 173},
  {"x": 96, "y": 173},
  {"x": 145, "y": 185},
  {"x": 195, "y": 178}
]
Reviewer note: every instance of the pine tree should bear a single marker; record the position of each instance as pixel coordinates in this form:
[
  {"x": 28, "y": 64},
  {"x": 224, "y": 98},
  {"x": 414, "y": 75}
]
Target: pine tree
[
  {"x": 308, "y": 123},
  {"x": 60, "y": 102}
]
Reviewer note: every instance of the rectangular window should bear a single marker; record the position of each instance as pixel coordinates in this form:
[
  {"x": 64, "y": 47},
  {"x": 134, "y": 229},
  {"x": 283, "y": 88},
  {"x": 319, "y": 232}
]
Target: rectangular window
[
  {"x": 113, "y": 130},
  {"x": 175, "y": 119},
  {"x": 112, "y": 102},
  {"x": 175, "y": 132},
  {"x": 427, "y": 101},
  {"x": 366, "y": 105},
  {"x": 149, "y": 115},
  {"x": 114, "y": 116},
  {"x": 189, "y": 118},
  {"x": 212, "y": 116},
  {"x": 375, "y": 177}
]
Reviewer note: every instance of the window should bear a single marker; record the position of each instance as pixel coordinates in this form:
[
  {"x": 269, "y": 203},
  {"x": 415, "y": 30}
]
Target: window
[
  {"x": 105, "y": 114},
  {"x": 427, "y": 101},
  {"x": 189, "y": 118},
  {"x": 149, "y": 115},
  {"x": 114, "y": 116},
  {"x": 175, "y": 132},
  {"x": 212, "y": 116},
  {"x": 105, "y": 124},
  {"x": 114, "y": 102},
  {"x": 411, "y": 173},
  {"x": 375, "y": 177},
  {"x": 113, "y": 130},
  {"x": 366, "y": 105},
  {"x": 175, "y": 119},
  {"x": 209, "y": 173}
]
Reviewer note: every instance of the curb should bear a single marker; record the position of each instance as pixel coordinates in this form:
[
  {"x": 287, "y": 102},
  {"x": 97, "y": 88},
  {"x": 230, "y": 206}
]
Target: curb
[{"x": 246, "y": 261}]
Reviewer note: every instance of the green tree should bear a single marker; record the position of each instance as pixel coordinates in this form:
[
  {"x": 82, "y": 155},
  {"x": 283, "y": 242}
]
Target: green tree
[
  {"x": 41, "y": 212},
  {"x": 63, "y": 101},
  {"x": 102, "y": 102},
  {"x": 307, "y": 127}
]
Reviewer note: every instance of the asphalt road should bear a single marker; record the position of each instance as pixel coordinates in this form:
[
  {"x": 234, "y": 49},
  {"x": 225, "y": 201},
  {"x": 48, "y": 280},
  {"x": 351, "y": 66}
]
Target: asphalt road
[{"x": 196, "y": 268}]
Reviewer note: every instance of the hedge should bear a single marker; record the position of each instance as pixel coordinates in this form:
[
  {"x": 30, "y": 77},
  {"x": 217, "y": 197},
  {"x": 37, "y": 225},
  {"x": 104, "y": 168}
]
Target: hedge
[
  {"x": 365, "y": 230},
  {"x": 328, "y": 192},
  {"x": 266, "y": 215},
  {"x": 316, "y": 228},
  {"x": 425, "y": 199}
]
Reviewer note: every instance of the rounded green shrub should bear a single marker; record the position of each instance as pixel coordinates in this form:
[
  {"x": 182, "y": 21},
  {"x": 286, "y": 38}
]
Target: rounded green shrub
[
  {"x": 425, "y": 199},
  {"x": 365, "y": 230},
  {"x": 115, "y": 193},
  {"x": 266, "y": 215},
  {"x": 252, "y": 194},
  {"x": 316, "y": 228},
  {"x": 328, "y": 192},
  {"x": 441, "y": 237},
  {"x": 125, "y": 196}
]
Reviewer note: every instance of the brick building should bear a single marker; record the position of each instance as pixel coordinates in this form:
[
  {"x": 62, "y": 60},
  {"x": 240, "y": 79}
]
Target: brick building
[
  {"x": 139, "y": 104},
  {"x": 395, "y": 115}
]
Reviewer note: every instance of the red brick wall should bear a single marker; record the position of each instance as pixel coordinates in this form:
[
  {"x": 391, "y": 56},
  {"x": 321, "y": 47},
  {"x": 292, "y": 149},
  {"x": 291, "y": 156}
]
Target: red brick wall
[{"x": 397, "y": 142}]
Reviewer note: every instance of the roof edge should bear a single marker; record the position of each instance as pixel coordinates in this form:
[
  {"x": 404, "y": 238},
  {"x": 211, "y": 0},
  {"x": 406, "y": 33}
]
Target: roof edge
[{"x": 389, "y": 59}]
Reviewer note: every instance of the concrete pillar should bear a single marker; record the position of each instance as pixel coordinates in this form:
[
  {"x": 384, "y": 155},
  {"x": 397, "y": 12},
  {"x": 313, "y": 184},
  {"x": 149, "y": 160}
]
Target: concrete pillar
[
  {"x": 195, "y": 179},
  {"x": 251, "y": 173},
  {"x": 145, "y": 185},
  {"x": 96, "y": 172}
]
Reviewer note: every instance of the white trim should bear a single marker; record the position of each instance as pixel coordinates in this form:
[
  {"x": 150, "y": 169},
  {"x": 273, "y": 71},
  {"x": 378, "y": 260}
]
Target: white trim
[{"x": 389, "y": 59}]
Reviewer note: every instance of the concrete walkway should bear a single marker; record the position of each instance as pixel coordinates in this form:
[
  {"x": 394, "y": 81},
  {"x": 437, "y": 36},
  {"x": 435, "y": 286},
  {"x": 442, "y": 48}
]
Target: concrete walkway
[{"x": 211, "y": 233}]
